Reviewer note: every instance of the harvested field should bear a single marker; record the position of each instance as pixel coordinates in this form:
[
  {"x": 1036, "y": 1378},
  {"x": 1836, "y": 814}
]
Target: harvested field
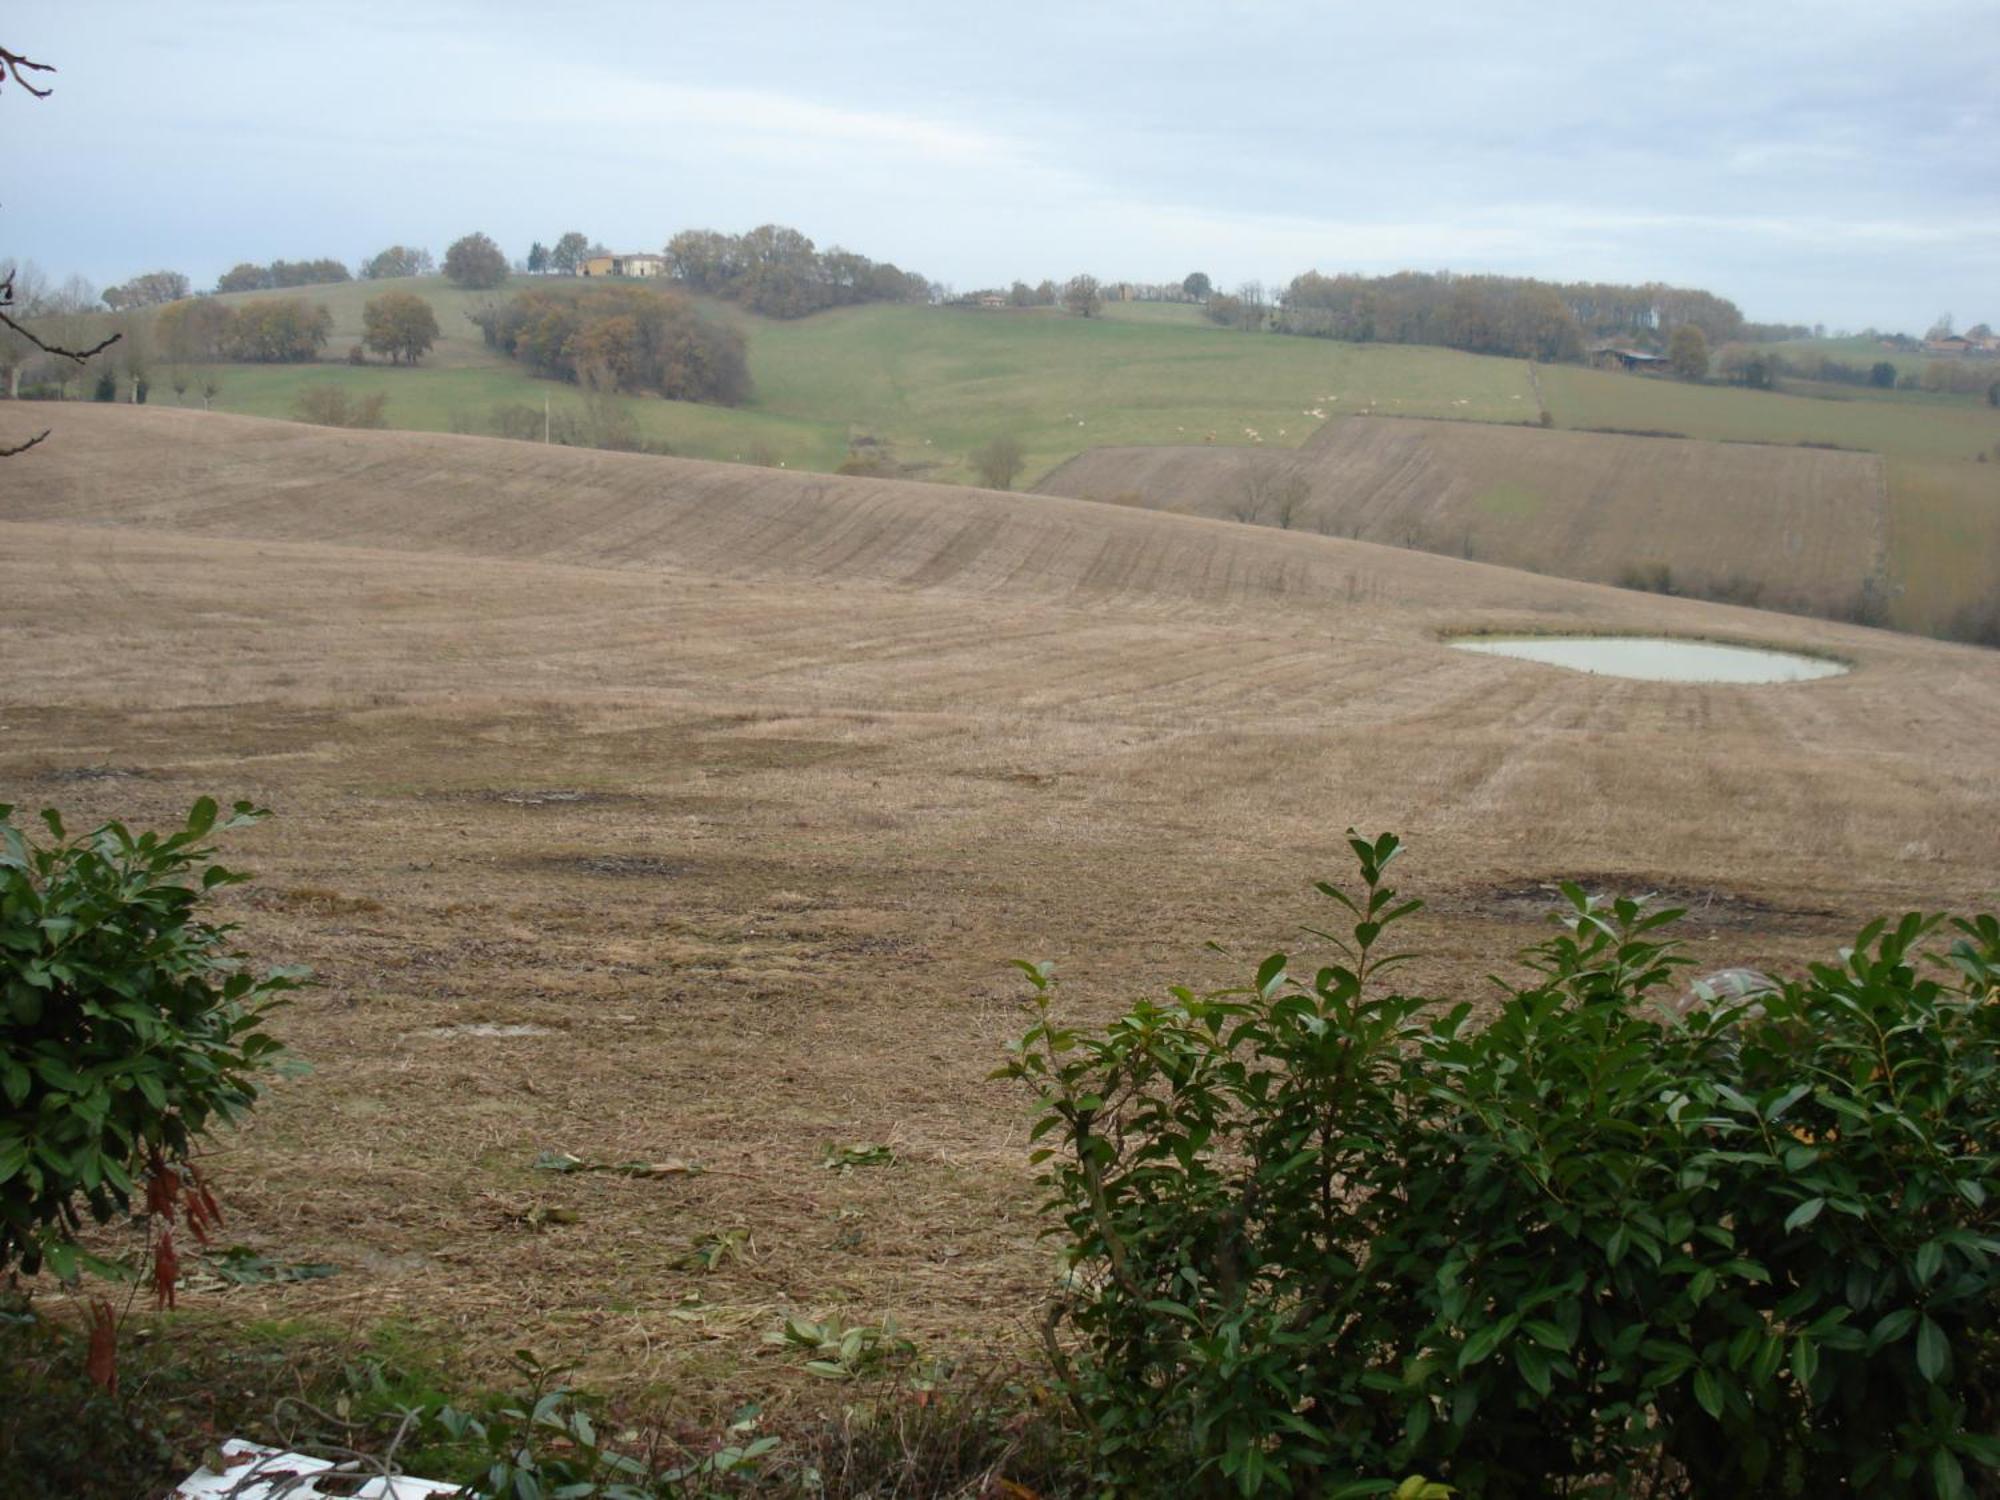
[
  {"x": 1790, "y": 528},
  {"x": 838, "y": 749}
]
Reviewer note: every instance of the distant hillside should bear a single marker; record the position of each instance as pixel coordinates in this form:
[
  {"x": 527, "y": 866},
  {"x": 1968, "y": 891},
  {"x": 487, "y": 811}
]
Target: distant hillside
[
  {"x": 1789, "y": 528},
  {"x": 928, "y": 385}
]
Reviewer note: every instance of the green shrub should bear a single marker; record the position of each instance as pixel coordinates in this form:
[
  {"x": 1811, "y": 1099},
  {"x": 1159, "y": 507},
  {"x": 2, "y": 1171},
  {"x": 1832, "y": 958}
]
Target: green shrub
[
  {"x": 127, "y": 1028},
  {"x": 331, "y": 406},
  {"x": 1593, "y": 1244}
]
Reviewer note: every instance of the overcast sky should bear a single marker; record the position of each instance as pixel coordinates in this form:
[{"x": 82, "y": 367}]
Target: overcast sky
[{"x": 1835, "y": 162}]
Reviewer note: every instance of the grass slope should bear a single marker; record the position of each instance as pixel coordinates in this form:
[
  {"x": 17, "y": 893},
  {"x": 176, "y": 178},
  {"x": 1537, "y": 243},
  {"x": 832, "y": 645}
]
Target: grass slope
[
  {"x": 645, "y": 808},
  {"x": 1785, "y": 527},
  {"x": 1927, "y": 429},
  {"x": 933, "y": 383}
]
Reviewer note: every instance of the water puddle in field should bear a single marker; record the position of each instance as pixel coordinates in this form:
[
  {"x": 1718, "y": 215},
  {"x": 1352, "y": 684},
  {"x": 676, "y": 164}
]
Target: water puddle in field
[{"x": 1656, "y": 658}]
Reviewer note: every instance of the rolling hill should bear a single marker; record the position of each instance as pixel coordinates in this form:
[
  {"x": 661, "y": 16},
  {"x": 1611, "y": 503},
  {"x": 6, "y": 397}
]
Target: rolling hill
[
  {"x": 929, "y": 386},
  {"x": 645, "y": 808}
]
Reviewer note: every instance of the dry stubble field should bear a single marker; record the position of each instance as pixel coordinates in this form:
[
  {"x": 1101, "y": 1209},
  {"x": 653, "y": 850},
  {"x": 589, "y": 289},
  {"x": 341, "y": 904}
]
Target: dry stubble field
[
  {"x": 1795, "y": 528},
  {"x": 735, "y": 789}
]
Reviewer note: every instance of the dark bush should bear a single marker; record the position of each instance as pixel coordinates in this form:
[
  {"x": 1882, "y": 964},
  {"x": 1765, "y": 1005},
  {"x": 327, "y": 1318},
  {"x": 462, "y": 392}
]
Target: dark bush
[
  {"x": 1652, "y": 578},
  {"x": 1591, "y": 1244},
  {"x": 330, "y": 405}
]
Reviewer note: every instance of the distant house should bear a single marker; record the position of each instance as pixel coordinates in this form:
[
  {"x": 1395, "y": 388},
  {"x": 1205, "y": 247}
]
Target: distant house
[
  {"x": 1611, "y": 358},
  {"x": 625, "y": 265},
  {"x": 1951, "y": 343},
  {"x": 992, "y": 299}
]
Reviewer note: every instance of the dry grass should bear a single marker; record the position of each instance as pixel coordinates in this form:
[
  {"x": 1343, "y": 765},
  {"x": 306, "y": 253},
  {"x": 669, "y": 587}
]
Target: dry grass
[
  {"x": 740, "y": 787},
  {"x": 1788, "y": 528}
]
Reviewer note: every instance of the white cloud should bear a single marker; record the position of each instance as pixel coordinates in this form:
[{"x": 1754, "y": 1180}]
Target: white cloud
[{"x": 757, "y": 122}]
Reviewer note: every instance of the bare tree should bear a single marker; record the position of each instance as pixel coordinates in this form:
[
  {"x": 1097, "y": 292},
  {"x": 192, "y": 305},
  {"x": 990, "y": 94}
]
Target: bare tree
[
  {"x": 999, "y": 462},
  {"x": 1289, "y": 493},
  {"x": 1083, "y": 296},
  {"x": 12, "y": 68},
  {"x": 1253, "y": 493},
  {"x": 1266, "y": 487}
]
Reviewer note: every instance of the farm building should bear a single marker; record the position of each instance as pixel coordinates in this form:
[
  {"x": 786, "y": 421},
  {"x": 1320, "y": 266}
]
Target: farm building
[
  {"x": 1627, "y": 359},
  {"x": 626, "y": 265}
]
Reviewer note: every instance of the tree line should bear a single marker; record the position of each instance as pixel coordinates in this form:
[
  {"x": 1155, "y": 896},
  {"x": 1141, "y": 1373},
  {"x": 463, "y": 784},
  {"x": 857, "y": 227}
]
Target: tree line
[
  {"x": 250, "y": 277},
  {"x": 271, "y": 330},
  {"x": 780, "y": 273},
  {"x": 621, "y": 338},
  {"x": 1507, "y": 315}
]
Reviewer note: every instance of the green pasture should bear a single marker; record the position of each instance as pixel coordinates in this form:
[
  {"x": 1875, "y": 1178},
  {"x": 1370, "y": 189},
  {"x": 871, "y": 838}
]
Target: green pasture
[
  {"x": 1932, "y": 429},
  {"x": 1174, "y": 314},
  {"x": 934, "y": 384}
]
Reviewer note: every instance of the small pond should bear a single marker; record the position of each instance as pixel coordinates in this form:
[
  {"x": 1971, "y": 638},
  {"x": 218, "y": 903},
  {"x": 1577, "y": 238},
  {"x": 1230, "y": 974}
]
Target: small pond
[{"x": 1656, "y": 658}]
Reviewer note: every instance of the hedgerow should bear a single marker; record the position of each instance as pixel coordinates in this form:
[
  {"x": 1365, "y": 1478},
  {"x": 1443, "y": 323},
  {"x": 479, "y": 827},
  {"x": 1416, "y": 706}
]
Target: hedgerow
[{"x": 1585, "y": 1242}]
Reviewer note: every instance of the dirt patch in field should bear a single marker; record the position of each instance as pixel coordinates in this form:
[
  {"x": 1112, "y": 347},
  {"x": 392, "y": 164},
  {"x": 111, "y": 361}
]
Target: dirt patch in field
[
  {"x": 84, "y": 775},
  {"x": 1708, "y": 908},
  {"x": 314, "y": 901},
  {"x": 626, "y": 866}
]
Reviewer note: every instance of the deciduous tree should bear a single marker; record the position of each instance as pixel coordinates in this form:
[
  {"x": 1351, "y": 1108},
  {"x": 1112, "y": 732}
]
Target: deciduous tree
[
  {"x": 1198, "y": 286},
  {"x": 569, "y": 254},
  {"x": 400, "y": 325},
  {"x": 396, "y": 261},
  {"x": 1082, "y": 296},
  {"x": 626, "y": 337},
  {"x": 149, "y": 290},
  {"x": 278, "y": 330},
  {"x": 322, "y": 271},
  {"x": 192, "y": 331},
  {"x": 244, "y": 277},
  {"x": 1687, "y": 352},
  {"x": 475, "y": 262}
]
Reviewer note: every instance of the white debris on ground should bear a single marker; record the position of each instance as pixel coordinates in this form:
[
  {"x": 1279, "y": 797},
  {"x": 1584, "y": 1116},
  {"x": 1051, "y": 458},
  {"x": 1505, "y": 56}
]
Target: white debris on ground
[{"x": 252, "y": 1471}]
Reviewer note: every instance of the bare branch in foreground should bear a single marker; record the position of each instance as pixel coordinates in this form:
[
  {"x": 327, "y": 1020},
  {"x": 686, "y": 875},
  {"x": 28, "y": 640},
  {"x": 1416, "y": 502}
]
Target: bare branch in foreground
[
  {"x": 12, "y": 64},
  {"x": 24, "y": 447}
]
